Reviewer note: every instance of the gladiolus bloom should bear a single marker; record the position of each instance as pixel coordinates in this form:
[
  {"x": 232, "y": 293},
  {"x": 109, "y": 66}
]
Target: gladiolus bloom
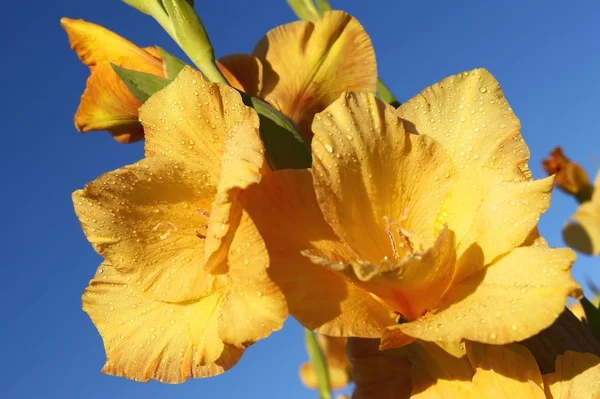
[
  {"x": 106, "y": 103},
  {"x": 415, "y": 223},
  {"x": 302, "y": 67},
  {"x": 183, "y": 289},
  {"x": 570, "y": 176}
]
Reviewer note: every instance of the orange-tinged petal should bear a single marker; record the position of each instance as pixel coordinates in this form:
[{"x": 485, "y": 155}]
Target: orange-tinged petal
[
  {"x": 577, "y": 376},
  {"x": 308, "y": 65},
  {"x": 379, "y": 187},
  {"x": 243, "y": 71},
  {"x": 151, "y": 339},
  {"x": 495, "y": 305},
  {"x": 191, "y": 120},
  {"x": 284, "y": 207},
  {"x": 378, "y": 374},
  {"x": 254, "y": 305},
  {"x": 508, "y": 371},
  {"x": 107, "y": 104},
  {"x": 468, "y": 114},
  {"x": 411, "y": 286},
  {"x": 338, "y": 366},
  {"x": 96, "y": 45},
  {"x": 144, "y": 219},
  {"x": 583, "y": 233}
]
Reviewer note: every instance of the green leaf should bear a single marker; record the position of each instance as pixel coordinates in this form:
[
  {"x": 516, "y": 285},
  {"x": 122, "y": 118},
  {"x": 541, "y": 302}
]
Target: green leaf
[
  {"x": 171, "y": 64},
  {"x": 142, "y": 85},
  {"x": 386, "y": 95},
  {"x": 315, "y": 354},
  {"x": 284, "y": 147},
  {"x": 592, "y": 317}
]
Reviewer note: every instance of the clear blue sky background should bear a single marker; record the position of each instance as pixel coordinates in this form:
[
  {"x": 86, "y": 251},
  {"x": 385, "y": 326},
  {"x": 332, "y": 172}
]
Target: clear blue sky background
[{"x": 546, "y": 55}]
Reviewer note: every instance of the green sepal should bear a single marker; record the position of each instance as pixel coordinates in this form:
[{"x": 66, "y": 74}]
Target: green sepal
[
  {"x": 284, "y": 147},
  {"x": 386, "y": 95},
  {"x": 304, "y": 9},
  {"x": 171, "y": 64},
  {"x": 592, "y": 317},
  {"x": 324, "y": 6},
  {"x": 142, "y": 85}
]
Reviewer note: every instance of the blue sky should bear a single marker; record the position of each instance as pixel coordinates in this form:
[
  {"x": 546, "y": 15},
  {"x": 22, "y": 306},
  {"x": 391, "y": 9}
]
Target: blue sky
[{"x": 546, "y": 56}]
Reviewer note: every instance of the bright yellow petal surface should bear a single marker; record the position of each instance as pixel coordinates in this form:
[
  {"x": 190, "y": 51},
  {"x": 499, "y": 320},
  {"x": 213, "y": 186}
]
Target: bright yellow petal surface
[
  {"x": 378, "y": 374},
  {"x": 505, "y": 372},
  {"x": 584, "y": 234},
  {"x": 284, "y": 207},
  {"x": 493, "y": 205},
  {"x": 506, "y": 216},
  {"x": 338, "y": 366},
  {"x": 468, "y": 114},
  {"x": 243, "y": 71},
  {"x": 192, "y": 119},
  {"x": 516, "y": 297},
  {"x": 577, "y": 376},
  {"x": 308, "y": 65},
  {"x": 144, "y": 219},
  {"x": 96, "y": 45},
  {"x": 107, "y": 104},
  {"x": 379, "y": 187},
  {"x": 150, "y": 339}
]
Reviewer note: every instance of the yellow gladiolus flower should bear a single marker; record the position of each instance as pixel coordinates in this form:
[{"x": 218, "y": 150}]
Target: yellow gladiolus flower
[
  {"x": 106, "y": 103},
  {"x": 302, "y": 67},
  {"x": 469, "y": 370},
  {"x": 583, "y": 233},
  {"x": 414, "y": 223},
  {"x": 338, "y": 366},
  {"x": 184, "y": 287}
]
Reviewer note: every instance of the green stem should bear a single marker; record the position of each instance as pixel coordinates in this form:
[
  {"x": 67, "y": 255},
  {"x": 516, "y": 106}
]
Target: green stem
[{"x": 317, "y": 359}]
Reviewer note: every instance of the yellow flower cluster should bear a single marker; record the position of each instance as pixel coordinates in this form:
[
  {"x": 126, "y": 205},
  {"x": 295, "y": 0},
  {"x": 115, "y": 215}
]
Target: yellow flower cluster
[{"x": 414, "y": 232}]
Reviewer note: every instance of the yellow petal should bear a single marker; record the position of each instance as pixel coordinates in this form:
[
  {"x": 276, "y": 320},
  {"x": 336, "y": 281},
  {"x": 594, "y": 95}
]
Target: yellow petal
[
  {"x": 508, "y": 371},
  {"x": 577, "y": 376},
  {"x": 146, "y": 220},
  {"x": 308, "y": 65},
  {"x": 96, "y": 45},
  {"x": 107, "y": 104},
  {"x": 284, "y": 207},
  {"x": 468, "y": 114},
  {"x": 338, "y": 366},
  {"x": 379, "y": 187},
  {"x": 150, "y": 339},
  {"x": 507, "y": 214},
  {"x": 192, "y": 119},
  {"x": 243, "y": 164},
  {"x": 254, "y": 305},
  {"x": 243, "y": 71},
  {"x": 516, "y": 297},
  {"x": 584, "y": 234},
  {"x": 378, "y": 374}
]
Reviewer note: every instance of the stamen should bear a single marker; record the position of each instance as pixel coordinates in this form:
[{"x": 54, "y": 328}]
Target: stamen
[
  {"x": 204, "y": 213},
  {"x": 200, "y": 236},
  {"x": 388, "y": 224}
]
